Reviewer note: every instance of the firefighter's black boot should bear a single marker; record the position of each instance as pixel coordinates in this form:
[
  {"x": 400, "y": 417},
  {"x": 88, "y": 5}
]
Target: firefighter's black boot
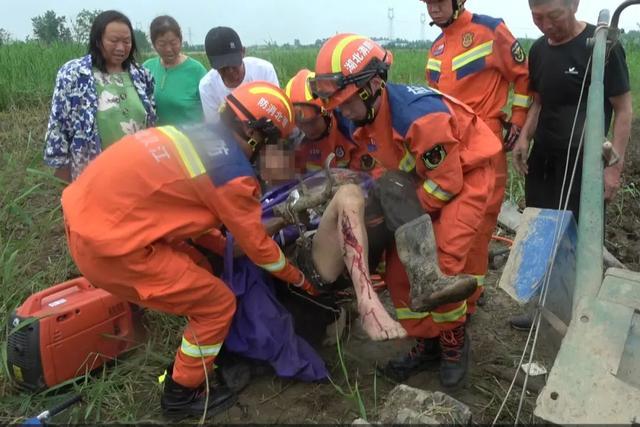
[
  {"x": 180, "y": 402},
  {"x": 424, "y": 355},
  {"x": 454, "y": 362}
]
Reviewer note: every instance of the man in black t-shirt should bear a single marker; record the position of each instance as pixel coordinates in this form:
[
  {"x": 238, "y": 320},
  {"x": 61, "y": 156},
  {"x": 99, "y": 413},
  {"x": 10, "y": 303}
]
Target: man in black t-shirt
[{"x": 558, "y": 62}]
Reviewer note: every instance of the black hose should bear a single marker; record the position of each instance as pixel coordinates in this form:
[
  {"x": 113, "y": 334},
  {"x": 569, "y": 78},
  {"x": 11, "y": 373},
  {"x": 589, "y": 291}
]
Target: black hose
[{"x": 616, "y": 14}]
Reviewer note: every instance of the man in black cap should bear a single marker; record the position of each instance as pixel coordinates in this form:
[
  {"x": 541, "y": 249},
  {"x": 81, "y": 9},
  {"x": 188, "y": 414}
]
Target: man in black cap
[{"x": 229, "y": 69}]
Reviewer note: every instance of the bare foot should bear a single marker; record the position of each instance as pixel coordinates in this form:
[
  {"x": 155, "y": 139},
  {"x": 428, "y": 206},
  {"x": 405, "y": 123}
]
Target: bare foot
[{"x": 377, "y": 323}]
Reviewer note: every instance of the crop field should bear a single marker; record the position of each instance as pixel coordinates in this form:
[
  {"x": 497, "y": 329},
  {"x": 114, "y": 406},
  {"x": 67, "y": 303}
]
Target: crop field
[{"x": 33, "y": 256}]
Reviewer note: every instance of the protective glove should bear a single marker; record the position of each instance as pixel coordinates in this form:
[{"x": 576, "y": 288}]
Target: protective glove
[{"x": 511, "y": 135}]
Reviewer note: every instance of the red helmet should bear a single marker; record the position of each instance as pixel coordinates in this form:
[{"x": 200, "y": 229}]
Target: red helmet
[
  {"x": 305, "y": 105},
  {"x": 263, "y": 107},
  {"x": 345, "y": 64}
]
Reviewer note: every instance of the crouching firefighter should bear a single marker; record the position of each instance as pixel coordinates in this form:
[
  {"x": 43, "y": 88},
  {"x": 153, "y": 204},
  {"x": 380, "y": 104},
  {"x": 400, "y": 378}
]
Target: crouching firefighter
[
  {"x": 129, "y": 210},
  {"x": 433, "y": 197}
]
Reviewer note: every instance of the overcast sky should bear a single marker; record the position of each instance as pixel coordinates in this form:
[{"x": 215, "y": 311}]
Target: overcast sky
[{"x": 260, "y": 21}]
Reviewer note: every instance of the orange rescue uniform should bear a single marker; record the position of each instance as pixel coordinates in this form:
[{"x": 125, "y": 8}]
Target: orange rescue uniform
[
  {"x": 310, "y": 155},
  {"x": 475, "y": 60},
  {"x": 450, "y": 150},
  {"x": 137, "y": 202}
]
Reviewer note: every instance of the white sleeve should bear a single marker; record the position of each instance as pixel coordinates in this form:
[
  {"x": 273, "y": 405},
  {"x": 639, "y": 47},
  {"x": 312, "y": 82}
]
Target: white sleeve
[
  {"x": 207, "y": 98},
  {"x": 271, "y": 76}
]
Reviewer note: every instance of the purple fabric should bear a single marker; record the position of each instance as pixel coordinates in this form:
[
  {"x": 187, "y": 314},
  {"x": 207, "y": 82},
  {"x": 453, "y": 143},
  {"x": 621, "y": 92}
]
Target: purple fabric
[
  {"x": 279, "y": 194},
  {"x": 262, "y": 328}
]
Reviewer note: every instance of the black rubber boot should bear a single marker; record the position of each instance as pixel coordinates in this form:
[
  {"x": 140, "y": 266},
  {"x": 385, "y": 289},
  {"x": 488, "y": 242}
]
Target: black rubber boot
[
  {"x": 429, "y": 286},
  {"x": 455, "y": 358},
  {"x": 522, "y": 322},
  {"x": 424, "y": 355},
  {"x": 180, "y": 402}
]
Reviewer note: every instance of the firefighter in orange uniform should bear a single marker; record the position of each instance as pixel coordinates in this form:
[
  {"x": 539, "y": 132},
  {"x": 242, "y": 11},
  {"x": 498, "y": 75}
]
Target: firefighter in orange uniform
[
  {"x": 441, "y": 151},
  {"x": 325, "y": 132},
  {"x": 476, "y": 59},
  {"x": 128, "y": 210},
  {"x": 322, "y": 135}
]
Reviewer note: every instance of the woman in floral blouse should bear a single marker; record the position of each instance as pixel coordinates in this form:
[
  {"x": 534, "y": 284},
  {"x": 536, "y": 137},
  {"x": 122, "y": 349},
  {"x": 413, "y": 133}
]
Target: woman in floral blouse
[{"x": 98, "y": 98}]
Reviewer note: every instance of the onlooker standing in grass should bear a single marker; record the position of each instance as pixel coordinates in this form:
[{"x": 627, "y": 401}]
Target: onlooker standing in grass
[
  {"x": 559, "y": 69},
  {"x": 176, "y": 75},
  {"x": 98, "y": 98},
  {"x": 230, "y": 69},
  {"x": 558, "y": 63}
]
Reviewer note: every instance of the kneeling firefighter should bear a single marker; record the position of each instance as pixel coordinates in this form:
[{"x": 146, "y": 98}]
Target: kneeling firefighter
[{"x": 128, "y": 212}]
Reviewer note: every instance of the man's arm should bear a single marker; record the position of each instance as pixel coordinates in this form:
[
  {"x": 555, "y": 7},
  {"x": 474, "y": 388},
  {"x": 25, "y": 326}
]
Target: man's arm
[
  {"x": 521, "y": 149},
  {"x": 623, "y": 112},
  {"x": 59, "y": 130}
]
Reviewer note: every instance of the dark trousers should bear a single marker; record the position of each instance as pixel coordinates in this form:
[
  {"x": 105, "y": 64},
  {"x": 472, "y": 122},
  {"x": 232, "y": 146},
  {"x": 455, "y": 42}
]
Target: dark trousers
[{"x": 543, "y": 183}]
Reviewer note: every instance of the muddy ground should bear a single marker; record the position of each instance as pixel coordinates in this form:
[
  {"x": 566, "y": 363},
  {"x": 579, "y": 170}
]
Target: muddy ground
[
  {"x": 622, "y": 235},
  {"x": 496, "y": 350}
]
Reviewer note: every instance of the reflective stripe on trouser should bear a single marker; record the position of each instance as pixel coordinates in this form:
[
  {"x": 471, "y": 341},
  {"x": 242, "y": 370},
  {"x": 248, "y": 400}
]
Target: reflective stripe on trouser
[
  {"x": 477, "y": 262},
  {"x": 418, "y": 325},
  {"x": 164, "y": 279}
]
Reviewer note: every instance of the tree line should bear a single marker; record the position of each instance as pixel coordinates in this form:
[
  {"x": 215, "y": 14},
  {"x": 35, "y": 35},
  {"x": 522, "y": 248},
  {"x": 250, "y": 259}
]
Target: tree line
[{"x": 51, "y": 28}]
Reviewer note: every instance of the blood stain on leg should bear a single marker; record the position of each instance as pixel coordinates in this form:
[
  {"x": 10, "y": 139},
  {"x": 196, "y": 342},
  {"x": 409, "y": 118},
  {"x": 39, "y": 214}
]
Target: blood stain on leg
[{"x": 358, "y": 259}]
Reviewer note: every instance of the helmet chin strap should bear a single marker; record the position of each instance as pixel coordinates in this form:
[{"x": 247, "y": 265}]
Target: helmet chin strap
[{"x": 369, "y": 98}]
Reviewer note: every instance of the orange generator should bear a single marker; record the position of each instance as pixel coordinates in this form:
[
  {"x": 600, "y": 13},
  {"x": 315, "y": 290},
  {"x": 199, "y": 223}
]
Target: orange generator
[{"x": 67, "y": 331}]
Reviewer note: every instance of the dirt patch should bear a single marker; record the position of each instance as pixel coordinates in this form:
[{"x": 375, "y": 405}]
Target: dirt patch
[
  {"x": 495, "y": 348},
  {"x": 622, "y": 236}
]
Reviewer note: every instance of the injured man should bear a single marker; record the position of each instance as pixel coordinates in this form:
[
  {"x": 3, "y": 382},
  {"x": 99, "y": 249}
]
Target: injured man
[{"x": 358, "y": 220}]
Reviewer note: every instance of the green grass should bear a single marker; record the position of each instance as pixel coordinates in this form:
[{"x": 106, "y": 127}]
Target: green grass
[
  {"x": 28, "y": 72},
  {"x": 633, "y": 60}
]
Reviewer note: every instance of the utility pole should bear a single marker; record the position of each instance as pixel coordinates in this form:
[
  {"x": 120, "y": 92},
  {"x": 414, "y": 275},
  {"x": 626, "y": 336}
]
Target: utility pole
[
  {"x": 390, "y": 16},
  {"x": 189, "y": 32},
  {"x": 423, "y": 19}
]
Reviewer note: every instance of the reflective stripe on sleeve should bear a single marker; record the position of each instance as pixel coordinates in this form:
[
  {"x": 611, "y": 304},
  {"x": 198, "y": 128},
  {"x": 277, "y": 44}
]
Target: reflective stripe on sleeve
[
  {"x": 434, "y": 190},
  {"x": 274, "y": 267},
  {"x": 408, "y": 162},
  {"x": 523, "y": 101}
]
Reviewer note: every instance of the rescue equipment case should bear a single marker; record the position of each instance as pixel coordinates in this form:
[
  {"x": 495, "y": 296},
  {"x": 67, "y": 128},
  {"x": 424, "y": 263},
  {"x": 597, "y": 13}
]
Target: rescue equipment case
[{"x": 66, "y": 331}]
